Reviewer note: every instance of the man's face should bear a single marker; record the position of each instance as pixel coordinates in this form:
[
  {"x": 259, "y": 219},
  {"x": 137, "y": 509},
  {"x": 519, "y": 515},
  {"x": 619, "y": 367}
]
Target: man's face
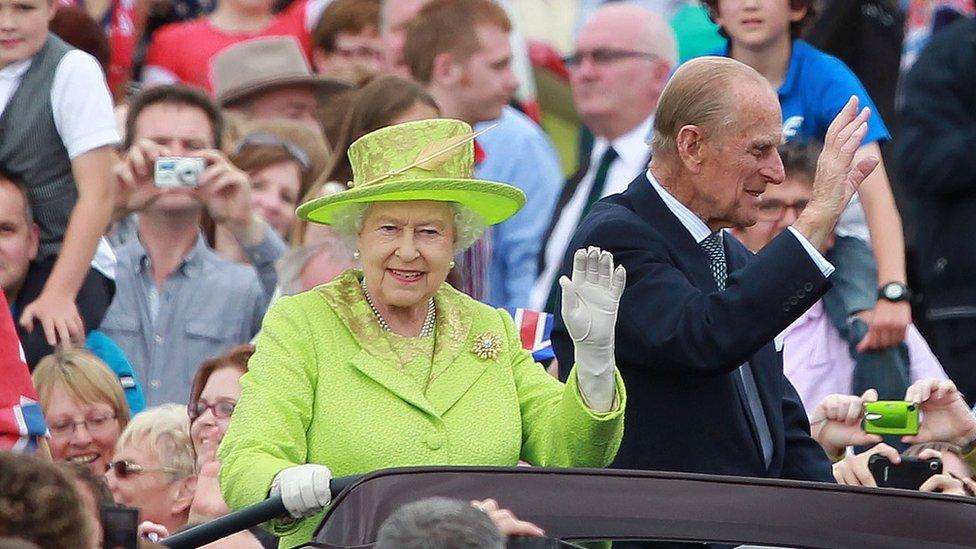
[
  {"x": 354, "y": 57},
  {"x": 781, "y": 205},
  {"x": 180, "y": 129},
  {"x": 23, "y": 28},
  {"x": 397, "y": 15},
  {"x": 757, "y": 23},
  {"x": 741, "y": 160},
  {"x": 487, "y": 82},
  {"x": 615, "y": 77},
  {"x": 18, "y": 240},
  {"x": 293, "y": 102}
]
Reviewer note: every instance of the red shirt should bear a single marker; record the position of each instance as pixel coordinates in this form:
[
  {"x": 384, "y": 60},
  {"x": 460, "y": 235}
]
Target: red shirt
[{"x": 185, "y": 49}]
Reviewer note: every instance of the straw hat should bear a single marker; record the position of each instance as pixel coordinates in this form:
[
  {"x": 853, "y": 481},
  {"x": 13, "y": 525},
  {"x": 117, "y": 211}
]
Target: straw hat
[
  {"x": 423, "y": 160},
  {"x": 262, "y": 64}
]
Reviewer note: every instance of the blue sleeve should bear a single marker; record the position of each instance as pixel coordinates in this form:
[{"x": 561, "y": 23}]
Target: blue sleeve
[
  {"x": 529, "y": 163},
  {"x": 111, "y": 354},
  {"x": 838, "y": 84}
]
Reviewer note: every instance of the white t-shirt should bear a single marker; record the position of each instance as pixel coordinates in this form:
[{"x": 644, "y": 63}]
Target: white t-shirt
[
  {"x": 82, "y": 107},
  {"x": 80, "y": 100}
]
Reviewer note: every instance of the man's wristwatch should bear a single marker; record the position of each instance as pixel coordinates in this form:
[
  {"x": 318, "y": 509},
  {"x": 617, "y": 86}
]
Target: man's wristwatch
[{"x": 894, "y": 292}]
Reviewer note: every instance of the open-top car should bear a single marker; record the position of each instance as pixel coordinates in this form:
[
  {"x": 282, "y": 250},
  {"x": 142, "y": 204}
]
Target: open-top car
[{"x": 578, "y": 505}]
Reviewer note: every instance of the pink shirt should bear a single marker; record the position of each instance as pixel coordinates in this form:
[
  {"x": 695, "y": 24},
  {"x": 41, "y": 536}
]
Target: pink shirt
[{"x": 816, "y": 358}]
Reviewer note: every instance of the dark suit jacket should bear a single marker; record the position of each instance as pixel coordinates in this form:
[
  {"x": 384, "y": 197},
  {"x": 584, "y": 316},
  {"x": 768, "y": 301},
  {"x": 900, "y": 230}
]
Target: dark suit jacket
[{"x": 679, "y": 341}]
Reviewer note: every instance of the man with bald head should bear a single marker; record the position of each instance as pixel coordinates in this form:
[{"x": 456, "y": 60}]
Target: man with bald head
[
  {"x": 624, "y": 55},
  {"x": 697, "y": 321}
]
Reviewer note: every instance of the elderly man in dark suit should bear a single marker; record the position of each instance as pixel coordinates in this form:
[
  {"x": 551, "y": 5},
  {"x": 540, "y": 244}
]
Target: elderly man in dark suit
[{"x": 698, "y": 318}]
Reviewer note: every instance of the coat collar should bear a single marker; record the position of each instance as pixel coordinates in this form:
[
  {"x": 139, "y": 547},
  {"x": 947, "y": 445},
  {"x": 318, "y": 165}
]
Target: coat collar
[
  {"x": 449, "y": 379},
  {"x": 688, "y": 255}
]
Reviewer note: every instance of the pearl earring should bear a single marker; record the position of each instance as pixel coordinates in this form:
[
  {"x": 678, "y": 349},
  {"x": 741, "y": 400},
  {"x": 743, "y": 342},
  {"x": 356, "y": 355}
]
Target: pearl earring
[
  {"x": 355, "y": 255},
  {"x": 451, "y": 265}
]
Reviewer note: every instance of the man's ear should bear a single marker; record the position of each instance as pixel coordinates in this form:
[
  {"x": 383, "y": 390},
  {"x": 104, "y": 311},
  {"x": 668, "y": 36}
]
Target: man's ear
[
  {"x": 35, "y": 241},
  {"x": 797, "y": 14},
  {"x": 690, "y": 144},
  {"x": 445, "y": 71},
  {"x": 185, "y": 490}
]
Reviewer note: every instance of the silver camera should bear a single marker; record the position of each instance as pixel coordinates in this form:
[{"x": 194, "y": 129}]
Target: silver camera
[{"x": 178, "y": 171}]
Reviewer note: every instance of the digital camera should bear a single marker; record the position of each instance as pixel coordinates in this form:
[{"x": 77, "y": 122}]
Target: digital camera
[
  {"x": 891, "y": 417},
  {"x": 178, "y": 171}
]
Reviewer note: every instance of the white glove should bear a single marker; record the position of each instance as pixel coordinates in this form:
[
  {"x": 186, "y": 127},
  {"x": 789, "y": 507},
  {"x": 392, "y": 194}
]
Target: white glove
[
  {"x": 304, "y": 489},
  {"x": 589, "y": 309}
]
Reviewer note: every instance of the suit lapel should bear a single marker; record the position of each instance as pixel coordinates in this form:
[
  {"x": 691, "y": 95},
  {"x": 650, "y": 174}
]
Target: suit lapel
[
  {"x": 765, "y": 363},
  {"x": 688, "y": 255}
]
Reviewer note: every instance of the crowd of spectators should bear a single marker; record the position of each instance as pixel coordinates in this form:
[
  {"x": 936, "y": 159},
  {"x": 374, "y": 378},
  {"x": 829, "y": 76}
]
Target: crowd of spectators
[{"x": 138, "y": 302}]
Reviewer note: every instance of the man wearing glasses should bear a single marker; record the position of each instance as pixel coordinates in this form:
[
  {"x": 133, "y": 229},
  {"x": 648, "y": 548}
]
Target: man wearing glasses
[
  {"x": 815, "y": 355},
  {"x": 624, "y": 55}
]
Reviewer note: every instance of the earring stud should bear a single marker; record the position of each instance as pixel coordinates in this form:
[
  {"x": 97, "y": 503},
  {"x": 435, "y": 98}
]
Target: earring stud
[
  {"x": 355, "y": 255},
  {"x": 451, "y": 265}
]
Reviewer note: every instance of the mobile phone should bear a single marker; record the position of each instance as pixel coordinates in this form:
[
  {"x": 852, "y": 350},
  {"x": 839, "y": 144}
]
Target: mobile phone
[
  {"x": 909, "y": 474},
  {"x": 120, "y": 527},
  {"x": 177, "y": 171},
  {"x": 891, "y": 417}
]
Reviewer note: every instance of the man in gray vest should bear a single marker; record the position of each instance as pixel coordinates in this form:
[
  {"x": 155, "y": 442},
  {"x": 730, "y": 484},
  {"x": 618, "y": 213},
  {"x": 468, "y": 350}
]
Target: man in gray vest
[{"x": 177, "y": 302}]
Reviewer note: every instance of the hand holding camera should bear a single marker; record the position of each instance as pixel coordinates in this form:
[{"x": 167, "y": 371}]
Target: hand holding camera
[
  {"x": 945, "y": 415},
  {"x": 837, "y": 422}
]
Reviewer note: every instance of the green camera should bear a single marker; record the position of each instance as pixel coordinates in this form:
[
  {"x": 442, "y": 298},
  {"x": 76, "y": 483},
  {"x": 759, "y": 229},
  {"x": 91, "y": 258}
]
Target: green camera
[{"x": 891, "y": 417}]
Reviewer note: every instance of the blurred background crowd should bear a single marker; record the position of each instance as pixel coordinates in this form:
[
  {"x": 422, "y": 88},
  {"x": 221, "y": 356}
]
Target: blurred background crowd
[{"x": 136, "y": 304}]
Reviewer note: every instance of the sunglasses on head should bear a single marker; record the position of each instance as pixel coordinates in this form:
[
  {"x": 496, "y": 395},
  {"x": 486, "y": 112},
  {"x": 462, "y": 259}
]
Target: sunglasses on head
[
  {"x": 123, "y": 469},
  {"x": 222, "y": 409}
]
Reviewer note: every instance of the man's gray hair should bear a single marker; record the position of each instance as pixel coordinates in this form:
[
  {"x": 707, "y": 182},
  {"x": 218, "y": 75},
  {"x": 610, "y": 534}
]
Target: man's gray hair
[
  {"x": 699, "y": 94},
  {"x": 439, "y": 523},
  {"x": 291, "y": 265},
  {"x": 468, "y": 225}
]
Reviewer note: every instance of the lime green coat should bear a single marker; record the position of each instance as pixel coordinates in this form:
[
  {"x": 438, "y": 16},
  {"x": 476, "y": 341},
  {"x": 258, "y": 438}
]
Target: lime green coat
[{"x": 324, "y": 387}]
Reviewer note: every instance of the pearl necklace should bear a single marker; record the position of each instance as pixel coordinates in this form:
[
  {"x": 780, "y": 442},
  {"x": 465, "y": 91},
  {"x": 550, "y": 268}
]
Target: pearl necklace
[{"x": 426, "y": 329}]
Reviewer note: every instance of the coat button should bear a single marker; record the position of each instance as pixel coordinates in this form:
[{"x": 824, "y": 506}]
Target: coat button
[
  {"x": 794, "y": 300},
  {"x": 434, "y": 441},
  {"x": 808, "y": 287}
]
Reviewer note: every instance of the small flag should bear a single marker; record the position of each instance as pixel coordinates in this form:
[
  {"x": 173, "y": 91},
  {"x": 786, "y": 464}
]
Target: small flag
[
  {"x": 21, "y": 418},
  {"x": 535, "y": 329}
]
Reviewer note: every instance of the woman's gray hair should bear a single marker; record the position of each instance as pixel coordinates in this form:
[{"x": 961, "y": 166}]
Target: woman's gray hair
[{"x": 469, "y": 226}]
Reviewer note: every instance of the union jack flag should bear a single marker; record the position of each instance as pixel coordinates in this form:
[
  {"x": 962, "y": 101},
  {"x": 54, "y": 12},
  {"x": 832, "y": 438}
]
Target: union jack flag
[
  {"x": 21, "y": 419},
  {"x": 534, "y": 329}
]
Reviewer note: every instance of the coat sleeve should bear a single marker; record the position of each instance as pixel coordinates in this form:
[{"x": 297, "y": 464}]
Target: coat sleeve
[
  {"x": 805, "y": 459},
  {"x": 558, "y": 429},
  {"x": 267, "y": 431},
  {"x": 669, "y": 325}
]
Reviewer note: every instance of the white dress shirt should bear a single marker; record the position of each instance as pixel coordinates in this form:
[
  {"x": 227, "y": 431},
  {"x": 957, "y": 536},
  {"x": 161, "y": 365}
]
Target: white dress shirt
[{"x": 633, "y": 151}]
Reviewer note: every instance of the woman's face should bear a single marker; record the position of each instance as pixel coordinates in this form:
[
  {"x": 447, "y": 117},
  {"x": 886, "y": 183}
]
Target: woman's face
[
  {"x": 82, "y": 432},
  {"x": 152, "y": 490},
  {"x": 274, "y": 193},
  {"x": 406, "y": 249},
  {"x": 223, "y": 388}
]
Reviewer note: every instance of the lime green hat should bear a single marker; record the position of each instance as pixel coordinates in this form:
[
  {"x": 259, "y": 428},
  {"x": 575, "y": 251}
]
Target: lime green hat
[{"x": 423, "y": 160}]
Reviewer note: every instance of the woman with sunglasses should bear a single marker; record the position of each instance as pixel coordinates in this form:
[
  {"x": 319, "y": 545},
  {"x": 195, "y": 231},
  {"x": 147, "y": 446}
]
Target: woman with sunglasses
[
  {"x": 155, "y": 467},
  {"x": 84, "y": 407},
  {"x": 282, "y": 158}
]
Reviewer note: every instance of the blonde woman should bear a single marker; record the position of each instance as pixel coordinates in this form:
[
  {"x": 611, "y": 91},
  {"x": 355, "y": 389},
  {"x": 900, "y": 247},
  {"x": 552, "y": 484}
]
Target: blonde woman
[
  {"x": 155, "y": 466},
  {"x": 84, "y": 407}
]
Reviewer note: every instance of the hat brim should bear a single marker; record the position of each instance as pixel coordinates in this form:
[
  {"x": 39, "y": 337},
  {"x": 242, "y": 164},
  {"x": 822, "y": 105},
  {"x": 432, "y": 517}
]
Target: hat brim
[
  {"x": 320, "y": 84},
  {"x": 495, "y": 202}
]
